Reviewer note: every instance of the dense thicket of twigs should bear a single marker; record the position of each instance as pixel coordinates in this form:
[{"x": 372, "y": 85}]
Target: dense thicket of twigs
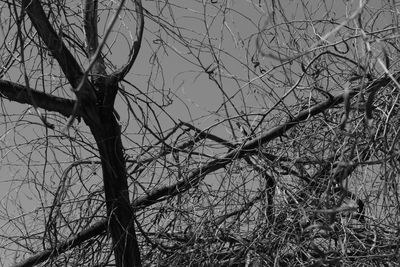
[{"x": 255, "y": 133}]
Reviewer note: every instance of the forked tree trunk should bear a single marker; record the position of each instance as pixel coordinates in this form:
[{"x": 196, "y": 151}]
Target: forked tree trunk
[{"x": 96, "y": 105}]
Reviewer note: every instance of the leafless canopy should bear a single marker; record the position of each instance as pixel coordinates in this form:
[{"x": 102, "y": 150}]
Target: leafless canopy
[{"x": 191, "y": 133}]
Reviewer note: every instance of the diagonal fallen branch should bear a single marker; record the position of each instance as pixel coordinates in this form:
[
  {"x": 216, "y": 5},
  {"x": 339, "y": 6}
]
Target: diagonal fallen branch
[
  {"x": 95, "y": 230},
  {"x": 193, "y": 179}
]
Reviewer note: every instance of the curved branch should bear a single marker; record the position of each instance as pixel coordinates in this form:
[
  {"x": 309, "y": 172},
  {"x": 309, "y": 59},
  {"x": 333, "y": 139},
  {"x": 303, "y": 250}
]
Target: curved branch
[
  {"x": 21, "y": 94},
  {"x": 133, "y": 53},
  {"x": 91, "y": 33}
]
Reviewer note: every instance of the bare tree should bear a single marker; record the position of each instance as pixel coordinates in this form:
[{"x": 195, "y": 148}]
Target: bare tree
[
  {"x": 251, "y": 133},
  {"x": 94, "y": 102}
]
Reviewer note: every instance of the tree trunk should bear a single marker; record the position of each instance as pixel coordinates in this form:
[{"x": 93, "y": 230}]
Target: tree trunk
[{"x": 120, "y": 213}]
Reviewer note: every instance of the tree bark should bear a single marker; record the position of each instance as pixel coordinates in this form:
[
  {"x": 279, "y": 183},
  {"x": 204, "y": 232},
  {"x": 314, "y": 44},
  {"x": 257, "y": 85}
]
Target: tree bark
[{"x": 119, "y": 211}]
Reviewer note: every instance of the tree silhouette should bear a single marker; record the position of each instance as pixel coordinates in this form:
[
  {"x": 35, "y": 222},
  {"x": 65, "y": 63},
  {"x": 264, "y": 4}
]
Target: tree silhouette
[{"x": 228, "y": 133}]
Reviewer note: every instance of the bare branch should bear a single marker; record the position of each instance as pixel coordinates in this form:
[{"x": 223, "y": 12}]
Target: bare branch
[
  {"x": 86, "y": 98},
  {"x": 19, "y": 93},
  {"x": 54, "y": 43},
  {"x": 93, "y": 231},
  {"x": 121, "y": 73},
  {"x": 91, "y": 32}
]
